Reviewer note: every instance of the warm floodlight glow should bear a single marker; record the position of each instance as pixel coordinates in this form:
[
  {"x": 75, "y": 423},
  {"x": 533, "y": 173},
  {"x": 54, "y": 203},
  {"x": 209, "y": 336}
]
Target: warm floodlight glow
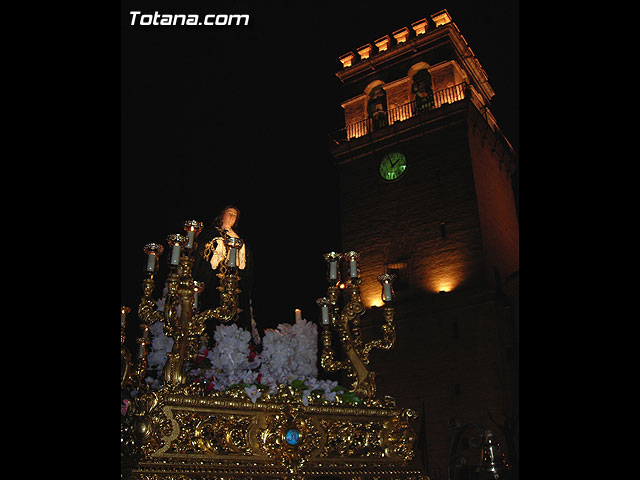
[
  {"x": 374, "y": 302},
  {"x": 445, "y": 282}
]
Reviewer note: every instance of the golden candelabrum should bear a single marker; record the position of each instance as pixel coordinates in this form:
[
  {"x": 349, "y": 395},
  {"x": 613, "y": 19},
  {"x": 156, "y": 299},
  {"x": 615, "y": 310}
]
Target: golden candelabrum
[
  {"x": 346, "y": 323},
  {"x": 182, "y": 431},
  {"x": 182, "y": 320}
]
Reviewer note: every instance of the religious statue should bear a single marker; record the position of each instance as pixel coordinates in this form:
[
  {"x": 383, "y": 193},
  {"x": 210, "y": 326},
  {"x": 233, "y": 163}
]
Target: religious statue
[{"x": 212, "y": 259}]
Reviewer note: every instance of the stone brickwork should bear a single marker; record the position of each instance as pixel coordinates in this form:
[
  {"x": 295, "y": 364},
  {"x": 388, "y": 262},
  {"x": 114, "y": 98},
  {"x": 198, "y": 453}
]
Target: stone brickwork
[
  {"x": 404, "y": 220},
  {"x": 447, "y": 227}
]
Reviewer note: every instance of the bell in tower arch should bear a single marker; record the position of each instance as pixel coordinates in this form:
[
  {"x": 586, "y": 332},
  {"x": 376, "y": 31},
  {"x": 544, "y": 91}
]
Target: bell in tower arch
[
  {"x": 377, "y": 107},
  {"x": 422, "y": 90}
]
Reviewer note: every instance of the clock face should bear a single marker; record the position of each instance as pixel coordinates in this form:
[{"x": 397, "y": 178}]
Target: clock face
[{"x": 393, "y": 166}]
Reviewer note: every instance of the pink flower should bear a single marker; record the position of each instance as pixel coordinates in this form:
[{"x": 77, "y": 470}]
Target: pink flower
[{"x": 124, "y": 407}]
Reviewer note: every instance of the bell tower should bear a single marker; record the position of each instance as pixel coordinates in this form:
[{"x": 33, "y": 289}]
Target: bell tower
[{"x": 426, "y": 194}]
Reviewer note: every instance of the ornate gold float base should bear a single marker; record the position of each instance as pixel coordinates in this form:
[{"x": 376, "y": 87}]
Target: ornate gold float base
[
  {"x": 219, "y": 471},
  {"x": 173, "y": 435}
]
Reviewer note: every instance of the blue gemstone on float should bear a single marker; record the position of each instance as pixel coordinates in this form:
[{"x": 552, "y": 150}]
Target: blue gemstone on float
[{"x": 292, "y": 436}]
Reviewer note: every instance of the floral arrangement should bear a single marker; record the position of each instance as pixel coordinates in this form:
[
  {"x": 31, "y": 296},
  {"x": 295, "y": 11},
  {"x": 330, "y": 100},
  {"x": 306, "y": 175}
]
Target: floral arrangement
[
  {"x": 290, "y": 352},
  {"x": 288, "y": 357},
  {"x": 230, "y": 362}
]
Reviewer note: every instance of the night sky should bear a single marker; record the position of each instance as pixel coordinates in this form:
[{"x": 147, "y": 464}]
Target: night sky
[{"x": 240, "y": 115}]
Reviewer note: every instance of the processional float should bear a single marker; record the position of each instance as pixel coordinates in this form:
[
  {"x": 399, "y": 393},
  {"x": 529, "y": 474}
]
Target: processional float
[{"x": 182, "y": 431}]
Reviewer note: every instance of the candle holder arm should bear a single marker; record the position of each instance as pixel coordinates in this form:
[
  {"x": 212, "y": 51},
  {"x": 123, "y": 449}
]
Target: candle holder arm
[
  {"x": 228, "y": 309},
  {"x": 364, "y": 379},
  {"x": 147, "y": 312},
  {"x": 141, "y": 367},
  {"x": 388, "y": 339},
  {"x": 127, "y": 367},
  {"x": 328, "y": 360}
]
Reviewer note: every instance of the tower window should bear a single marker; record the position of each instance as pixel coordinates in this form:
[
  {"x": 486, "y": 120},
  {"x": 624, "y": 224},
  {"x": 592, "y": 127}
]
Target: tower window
[
  {"x": 443, "y": 229},
  {"x": 423, "y": 91},
  {"x": 399, "y": 267},
  {"x": 377, "y": 108}
]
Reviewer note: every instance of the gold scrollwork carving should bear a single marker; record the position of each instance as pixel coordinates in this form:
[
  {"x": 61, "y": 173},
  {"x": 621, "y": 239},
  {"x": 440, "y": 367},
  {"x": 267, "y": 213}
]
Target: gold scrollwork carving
[
  {"x": 398, "y": 437},
  {"x": 352, "y": 438},
  {"x": 151, "y": 425},
  {"x": 274, "y": 440},
  {"x": 222, "y": 434}
]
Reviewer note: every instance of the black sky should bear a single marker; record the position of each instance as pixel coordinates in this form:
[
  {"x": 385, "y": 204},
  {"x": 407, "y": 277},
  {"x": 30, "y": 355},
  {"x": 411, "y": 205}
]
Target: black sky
[{"x": 218, "y": 115}]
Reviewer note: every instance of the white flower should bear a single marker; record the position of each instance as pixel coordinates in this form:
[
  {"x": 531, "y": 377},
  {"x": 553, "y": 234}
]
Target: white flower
[
  {"x": 160, "y": 304},
  {"x": 290, "y": 352},
  {"x": 230, "y": 357},
  {"x": 154, "y": 383},
  {"x": 249, "y": 376},
  {"x": 253, "y": 393},
  {"x": 330, "y": 396},
  {"x": 160, "y": 346}
]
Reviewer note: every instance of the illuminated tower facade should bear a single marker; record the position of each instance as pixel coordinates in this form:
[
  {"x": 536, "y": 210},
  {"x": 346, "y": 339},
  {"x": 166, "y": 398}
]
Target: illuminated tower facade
[{"x": 426, "y": 194}]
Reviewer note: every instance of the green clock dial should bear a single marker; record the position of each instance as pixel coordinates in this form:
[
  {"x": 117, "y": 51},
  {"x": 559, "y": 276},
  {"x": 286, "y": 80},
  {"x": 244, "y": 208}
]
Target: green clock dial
[{"x": 392, "y": 166}]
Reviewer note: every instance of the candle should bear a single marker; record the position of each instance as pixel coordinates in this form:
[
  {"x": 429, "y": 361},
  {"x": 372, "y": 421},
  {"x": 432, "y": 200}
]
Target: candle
[
  {"x": 123, "y": 316},
  {"x": 153, "y": 251},
  {"x": 386, "y": 280},
  {"x": 175, "y": 254},
  {"x": 232, "y": 257},
  {"x": 353, "y": 265},
  {"x": 323, "y": 303},
  {"x": 151, "y": 262},
  {"x": 193, "y": 228},
  {"x": 332, "y": 258},
  {"x": 191, "y": 235},
  {"x": 234, "y": 244},
  {"x": 333, "y": 270},
  {"x": 176, "y": 241},
  {"x": 298, "y": 314},
  {"x": 197, "y": 288},
  {"x": 386, "y": 292},
  {"x": 325, "y": 314},
  {"x": 353, "y": 268}
]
